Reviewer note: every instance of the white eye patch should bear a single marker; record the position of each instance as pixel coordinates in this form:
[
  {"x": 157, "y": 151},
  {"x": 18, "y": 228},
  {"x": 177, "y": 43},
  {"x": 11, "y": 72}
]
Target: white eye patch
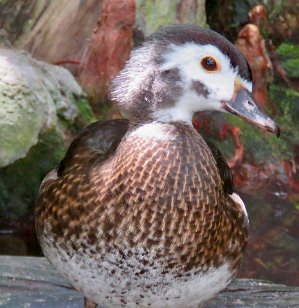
[
  {"x": 187, "y": 58},
  {"x": 212, "y": 87}
]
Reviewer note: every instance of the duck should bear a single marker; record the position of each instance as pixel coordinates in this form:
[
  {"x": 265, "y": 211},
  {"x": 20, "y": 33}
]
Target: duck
[{"x": 142, "y": 211}]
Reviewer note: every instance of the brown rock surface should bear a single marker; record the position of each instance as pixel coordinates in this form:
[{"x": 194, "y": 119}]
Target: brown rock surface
[
  {"x": 109, "y": 48},
  {"x": 252, "y": 45}
]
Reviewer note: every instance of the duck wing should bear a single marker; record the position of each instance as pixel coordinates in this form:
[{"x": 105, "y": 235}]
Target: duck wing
[
  {"x": 224, "y": 170},
  {"x": 99, "y": 140},
  {"x": 96, "y": 142}
]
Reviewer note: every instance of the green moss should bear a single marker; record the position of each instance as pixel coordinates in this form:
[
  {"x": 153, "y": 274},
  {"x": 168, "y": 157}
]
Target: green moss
[
  {"x": 16, "y": 136},
  {"x": 158, "y": 13},
  {"x": 85, "y": 110},
  {"x": 263, "y": 146},
  {"x": 287, "y": 100},
  {"x": 19, "y": 182},
  {"x": 226, "y": 146},
  {"x": 257, "y": 143},
  {"x": 85, "y": 116},
  {"x": 292, "y": 67},
  {"x": 289, "y": 56},
  {"x": 288, "y": 50}
]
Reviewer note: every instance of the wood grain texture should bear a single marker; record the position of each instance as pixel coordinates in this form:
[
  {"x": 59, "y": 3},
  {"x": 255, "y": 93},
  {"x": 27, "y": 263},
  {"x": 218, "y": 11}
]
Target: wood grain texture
[{"x": 28, "y": 281}]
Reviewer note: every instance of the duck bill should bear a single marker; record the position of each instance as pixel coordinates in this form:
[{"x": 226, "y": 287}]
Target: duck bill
[{"x": 245, "y": 107}]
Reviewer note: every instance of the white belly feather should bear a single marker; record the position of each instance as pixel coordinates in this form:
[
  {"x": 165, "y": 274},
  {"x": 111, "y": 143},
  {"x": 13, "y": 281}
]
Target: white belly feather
[{"x": 111, "y": 285}]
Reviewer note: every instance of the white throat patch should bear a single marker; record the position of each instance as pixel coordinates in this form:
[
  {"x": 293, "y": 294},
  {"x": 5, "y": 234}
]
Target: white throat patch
[{"x": 152, "y": 130}]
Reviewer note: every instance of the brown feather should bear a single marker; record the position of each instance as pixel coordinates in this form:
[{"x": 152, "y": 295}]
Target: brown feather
[{"x": 165, "y": 196}]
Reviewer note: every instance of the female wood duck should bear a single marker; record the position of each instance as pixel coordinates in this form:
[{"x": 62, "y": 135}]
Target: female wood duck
[{"x": 143, "y": 212}]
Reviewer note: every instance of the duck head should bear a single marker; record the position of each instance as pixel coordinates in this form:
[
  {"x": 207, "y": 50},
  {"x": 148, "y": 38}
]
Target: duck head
[{"x": 184, "y": 69}]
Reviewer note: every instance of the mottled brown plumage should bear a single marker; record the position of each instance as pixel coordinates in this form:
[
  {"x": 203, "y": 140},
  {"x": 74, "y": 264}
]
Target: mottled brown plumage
[
  {"x": 164, "y": 195},
  {"x": 164, "y": 187}
]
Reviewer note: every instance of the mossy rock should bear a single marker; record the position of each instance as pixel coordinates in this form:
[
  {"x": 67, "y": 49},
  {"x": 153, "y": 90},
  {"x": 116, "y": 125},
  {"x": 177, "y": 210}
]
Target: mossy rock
[
  {"x": 20, "y": 181},
  {"x": 41, "y": 108},
  {"x": 34, "y": 96}
]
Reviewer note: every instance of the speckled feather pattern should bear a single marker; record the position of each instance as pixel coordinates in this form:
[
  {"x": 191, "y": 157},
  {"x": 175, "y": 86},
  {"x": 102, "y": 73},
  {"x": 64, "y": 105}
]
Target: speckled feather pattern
[{"x": 157, "y": 201}]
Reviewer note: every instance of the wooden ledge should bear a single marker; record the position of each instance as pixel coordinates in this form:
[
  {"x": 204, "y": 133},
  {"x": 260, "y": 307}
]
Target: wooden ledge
[{"x": 33, "y": 282}]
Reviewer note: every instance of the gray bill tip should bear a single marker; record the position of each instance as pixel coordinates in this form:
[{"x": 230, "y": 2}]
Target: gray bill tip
[
  {"x": 243, "y": 106},
  {"x": 276, "y": 130},
  {"x": 272, "y": 127}
]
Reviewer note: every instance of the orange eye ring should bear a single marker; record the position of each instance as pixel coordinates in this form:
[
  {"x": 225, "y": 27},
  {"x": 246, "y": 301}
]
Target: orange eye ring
[{"x": 210, "y": 64}]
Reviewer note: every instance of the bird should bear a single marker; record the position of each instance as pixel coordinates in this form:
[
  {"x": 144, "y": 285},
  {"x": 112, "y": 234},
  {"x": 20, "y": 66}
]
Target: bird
[{"x": 143, "y": 211}]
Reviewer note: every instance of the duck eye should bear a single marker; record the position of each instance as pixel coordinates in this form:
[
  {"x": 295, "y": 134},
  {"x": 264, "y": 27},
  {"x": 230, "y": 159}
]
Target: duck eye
[{"x": 210, "y": 64}]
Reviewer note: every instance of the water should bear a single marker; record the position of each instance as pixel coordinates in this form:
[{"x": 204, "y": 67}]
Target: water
[{"x": 273, "y": 249}]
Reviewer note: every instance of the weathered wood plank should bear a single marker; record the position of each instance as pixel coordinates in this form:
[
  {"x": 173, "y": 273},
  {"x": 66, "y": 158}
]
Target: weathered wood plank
[{"x": 33, "y": 282}]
